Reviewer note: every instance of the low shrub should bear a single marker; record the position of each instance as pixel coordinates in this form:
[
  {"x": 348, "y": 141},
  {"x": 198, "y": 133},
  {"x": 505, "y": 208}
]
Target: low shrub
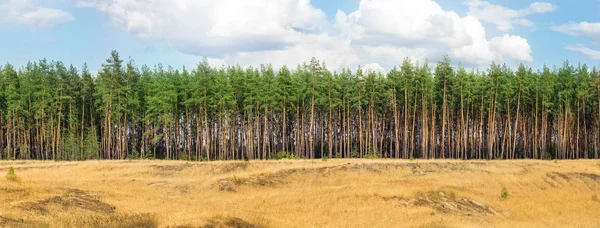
[
  {"x": 133, "y": 155},
  {"x": 372, "y": 156},
  {"x": 284, "y": 155},
  {"x": 11, "y": 175},
  {"x": 504, "y": 193},
  {"x": 354, "y": 153}
]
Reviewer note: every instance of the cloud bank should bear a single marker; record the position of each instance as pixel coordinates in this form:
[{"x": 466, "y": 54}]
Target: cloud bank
[{"x": 379, "y": 32}]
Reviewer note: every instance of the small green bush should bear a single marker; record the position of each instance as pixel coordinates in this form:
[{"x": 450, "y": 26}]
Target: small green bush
[
  {"x": 324, "y": 158},
  {"x": 354, "y": 153},
  {"x": 284, "y": 155},
  {"x": 550, "y": 153},
  {"x": 149, "y": 155},
  {"x": 504, "y": 193},
  {"x": 11, "y": 175},
  {"x": 185, "y": 156},
  {"x": 202, "y": 158},
  {"x": 372, "y": 156},
  {"x": 133, "y": 155},
  {"x": 595, "y": 197}
]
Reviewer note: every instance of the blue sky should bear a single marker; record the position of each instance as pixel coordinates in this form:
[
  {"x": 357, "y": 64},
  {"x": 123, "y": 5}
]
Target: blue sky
[{"x": 376, "y": 34}]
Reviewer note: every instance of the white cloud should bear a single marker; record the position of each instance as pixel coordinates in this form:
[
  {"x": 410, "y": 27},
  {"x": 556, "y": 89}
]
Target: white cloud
[
  {"x": 478, "y": 52},
  {"x": 504, "y": 17},
  {"x": 587, "y": 29},
  {"x": 515, "y": 47},
  {"x": 209, "y": 27},
  {"x": 337, "y": 53},
  {"x": 379, "y": 33},
  {"x": 582, "y": 29},
  {"x": 27, "y": 13},
  {"x": 593, "y": 54},
  {"x": 482, "y": 51},
  {"x": 404, "y": 23},
  {"x": 540, "y": 7},
  {"x": 422, "y": 28},
  {"x": 373, "y": 67}
]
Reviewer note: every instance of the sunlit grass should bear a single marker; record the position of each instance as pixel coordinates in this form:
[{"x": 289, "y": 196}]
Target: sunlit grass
[{"x": 303, "y": 193}]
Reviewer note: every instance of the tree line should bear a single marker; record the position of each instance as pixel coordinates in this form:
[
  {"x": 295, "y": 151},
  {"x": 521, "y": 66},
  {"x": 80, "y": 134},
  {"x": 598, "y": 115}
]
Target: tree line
[{"x": 50, "y": 111}]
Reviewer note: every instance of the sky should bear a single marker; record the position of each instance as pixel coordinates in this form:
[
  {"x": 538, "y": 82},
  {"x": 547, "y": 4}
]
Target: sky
[{"x": 375, "y": 34}]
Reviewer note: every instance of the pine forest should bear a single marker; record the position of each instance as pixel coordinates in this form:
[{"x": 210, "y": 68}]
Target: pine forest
[{"x": 50, "y": 111}]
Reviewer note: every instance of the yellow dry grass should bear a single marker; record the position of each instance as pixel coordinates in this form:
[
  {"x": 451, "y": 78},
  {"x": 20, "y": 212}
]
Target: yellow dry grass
[{"x": 302, "y": 193}]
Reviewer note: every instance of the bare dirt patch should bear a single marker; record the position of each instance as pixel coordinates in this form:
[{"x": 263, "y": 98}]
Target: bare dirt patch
[
  {"x": 444, "y": 202},
  {"x": 72, "y": 199}
]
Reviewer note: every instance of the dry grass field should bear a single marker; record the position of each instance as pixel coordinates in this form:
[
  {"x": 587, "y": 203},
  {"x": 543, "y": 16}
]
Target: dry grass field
[{"x": 301, "y": 193}]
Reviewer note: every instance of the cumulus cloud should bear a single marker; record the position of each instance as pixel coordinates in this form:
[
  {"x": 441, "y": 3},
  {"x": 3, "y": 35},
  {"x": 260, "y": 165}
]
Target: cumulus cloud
[
  {"x": 586, "y": 29},
  {"x": 379, "y": 33},
  {"x": 482, "y": 51},
  {"x": 423, "y": 28},
  {"x": 515, "y": 47},
  {"x": 593, "y": 54},
  {"x": 27, "y": 13},
  {"x": 404, "y": 23},
  {"x": 504, "y": 17},
  {"x": 215, "y": 27},
  {"x": 373, "y": 67}
]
